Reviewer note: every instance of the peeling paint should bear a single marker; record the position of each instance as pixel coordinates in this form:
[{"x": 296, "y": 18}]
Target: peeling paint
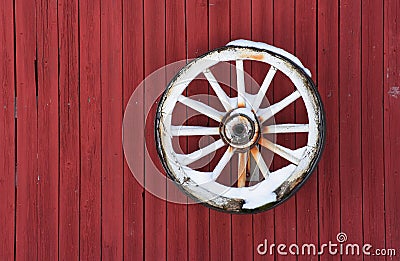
[{"x": 394, "y": 91}]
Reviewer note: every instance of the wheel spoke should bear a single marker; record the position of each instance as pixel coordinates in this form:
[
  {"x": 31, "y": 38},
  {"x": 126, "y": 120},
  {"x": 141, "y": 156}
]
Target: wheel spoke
[
  {"x": 194, "y": 131},
  {"x": 222, "y": 163},
  {"x": 186, "y": 159},
  {"x": 248, "y": 162},
  {"x": 285, "y": 128},
  {"x": 202, "y": 108},
  {"x": 240, "y": 84},
  {"x": 255, "y": 152},
  {"x": 267, "y": 113},
  {"x": 264, "y": 87},
  {"x": 222, "y": 96},
  {"x": 291, "y": 155},
  {"x": 242, "y": 169}
]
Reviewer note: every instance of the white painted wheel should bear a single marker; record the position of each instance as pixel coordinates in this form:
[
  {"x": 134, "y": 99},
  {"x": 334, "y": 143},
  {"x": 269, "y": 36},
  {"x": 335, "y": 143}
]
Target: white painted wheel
[{"x": 244, "y": 126}]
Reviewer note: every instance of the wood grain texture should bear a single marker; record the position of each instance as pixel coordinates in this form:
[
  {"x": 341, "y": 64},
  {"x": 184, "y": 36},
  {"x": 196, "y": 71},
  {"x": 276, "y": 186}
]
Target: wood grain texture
[
  {"x": 111, "y": 131},
  {"x": 133, "y": 73},
  {"x": 372, "y": 125},
  {"x": 7, "y": 132},
  {"x": 262, "y": 29},
  {"x": 69, "y": 130},
  {"x": 27, "y": 159},
  {"x": 328, "y": 86},
  {"x": 48, "y": 143},
  {"x": 154, "y": 58},
  {"x": 90, "y": 130},
  {"x": 284, "y": 37},
  {"x": 391, "y": 123},
  {"x": 350, "y": 121},
  {"x": 307, "y": 197},
  {"x": 197, "y": 44},
  {"x": 242, "y": 225},
  {"x": 66, "y": 191},
  {"x": 177, "y": 221},
  {"x": 220, "y": 223}
]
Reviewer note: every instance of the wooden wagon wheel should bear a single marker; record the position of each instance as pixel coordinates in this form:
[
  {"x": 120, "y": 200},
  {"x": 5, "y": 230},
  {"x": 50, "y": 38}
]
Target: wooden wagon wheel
[{"x": 241, "y": 130}]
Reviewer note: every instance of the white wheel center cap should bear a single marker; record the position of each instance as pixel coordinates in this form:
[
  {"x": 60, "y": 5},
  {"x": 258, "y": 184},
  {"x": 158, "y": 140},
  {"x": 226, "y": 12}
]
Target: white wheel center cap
[{"x": 240, "y": 129}]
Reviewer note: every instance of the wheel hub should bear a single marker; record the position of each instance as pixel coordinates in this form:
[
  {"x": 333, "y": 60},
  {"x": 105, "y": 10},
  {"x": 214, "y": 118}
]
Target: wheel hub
[{"x": 240, "y": 129}]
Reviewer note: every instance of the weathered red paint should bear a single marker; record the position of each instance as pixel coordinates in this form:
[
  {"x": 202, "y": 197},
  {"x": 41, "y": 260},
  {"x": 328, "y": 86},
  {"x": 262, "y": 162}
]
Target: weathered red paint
[
  {"x": 284, "y": 36},
  {"x": 66, "y": 191},
  {"x": 306, "y": 50},
  {"x": 7, "y": 132},
  {"x": 90, "y": 131}
]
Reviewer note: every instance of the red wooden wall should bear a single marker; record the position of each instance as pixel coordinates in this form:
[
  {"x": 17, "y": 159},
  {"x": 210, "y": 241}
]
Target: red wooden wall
[{"x": 68, "y": 68}]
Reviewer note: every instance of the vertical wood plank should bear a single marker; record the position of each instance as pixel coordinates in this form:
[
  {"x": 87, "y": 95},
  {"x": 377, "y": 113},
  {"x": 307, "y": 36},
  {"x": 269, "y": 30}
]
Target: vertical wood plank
[
  {"x": 219, "y": 23},
  {"x": 27, "y": 162},
  {"x": 392, "y": 123},
  {"x": 328, "y": 86},
  {"x": 154, "y": 58},
  {"x": 176, "y": 213},
  {"x": 90, "y": 130},
  {"x": 220, "y": 223},
  {"x": 7, "y": 131},
  {"x": 307, "y": 197},
  {"x": 60, "y": 131},
  {"x": 111, "y": 117},
  {"x": 372, "y": 125},
  {"x": 242, "y": 225},
  {"x": 350, "y": 121},
  {"x": 48, "y": 144},
  {"x": 197, "y": 44},
  {"x": 285, "y": 214},
  {"x": 69, "y": 129},
  {"x": 240, "y": 19},
  {"x": 133, "y": 72},
  {"x": 262, "y": 30}
]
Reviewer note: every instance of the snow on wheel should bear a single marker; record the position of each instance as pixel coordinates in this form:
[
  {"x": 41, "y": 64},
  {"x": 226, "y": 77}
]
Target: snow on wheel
[{"x": 244, "y": 131}]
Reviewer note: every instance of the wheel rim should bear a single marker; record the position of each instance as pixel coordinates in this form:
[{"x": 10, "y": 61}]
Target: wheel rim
[{"x": 241, "y": 131}]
